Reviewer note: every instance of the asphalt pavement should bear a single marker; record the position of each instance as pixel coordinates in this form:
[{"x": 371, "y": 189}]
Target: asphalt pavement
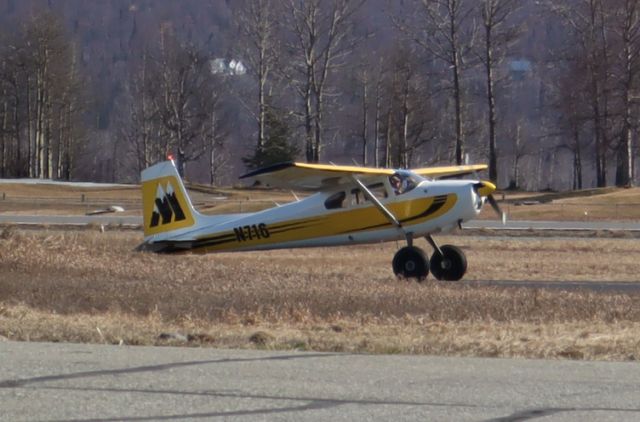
[
  {"x": 71, "y": 220},
  {"x": 73, "y": 382}
]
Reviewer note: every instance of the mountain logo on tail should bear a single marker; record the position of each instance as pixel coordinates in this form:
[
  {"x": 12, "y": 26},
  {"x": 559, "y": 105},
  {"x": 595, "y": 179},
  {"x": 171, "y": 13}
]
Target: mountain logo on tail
[{"x": 166, "y": 208}]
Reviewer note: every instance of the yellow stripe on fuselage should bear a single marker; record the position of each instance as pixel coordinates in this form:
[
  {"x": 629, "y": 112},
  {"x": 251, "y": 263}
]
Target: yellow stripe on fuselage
[{"x": 351, "y": 221}]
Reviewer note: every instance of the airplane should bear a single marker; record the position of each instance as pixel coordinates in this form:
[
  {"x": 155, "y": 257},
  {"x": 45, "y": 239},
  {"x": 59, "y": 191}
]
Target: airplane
[{"x": 351, "y": 205}]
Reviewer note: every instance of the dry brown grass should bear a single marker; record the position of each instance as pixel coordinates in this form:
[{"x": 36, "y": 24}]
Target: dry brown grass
[{"x": 91, "y": 287}]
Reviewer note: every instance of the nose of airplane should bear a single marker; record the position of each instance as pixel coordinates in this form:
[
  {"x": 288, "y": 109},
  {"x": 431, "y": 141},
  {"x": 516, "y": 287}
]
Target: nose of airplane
[{"x": 484, "y": 188}]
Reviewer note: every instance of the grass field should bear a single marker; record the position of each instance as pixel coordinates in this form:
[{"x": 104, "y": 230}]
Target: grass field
[{"x": 87, "y": 286}]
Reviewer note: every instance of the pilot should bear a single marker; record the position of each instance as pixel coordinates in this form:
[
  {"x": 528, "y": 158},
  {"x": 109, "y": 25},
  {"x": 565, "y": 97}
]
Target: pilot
[{"x": 398, "y": 183}]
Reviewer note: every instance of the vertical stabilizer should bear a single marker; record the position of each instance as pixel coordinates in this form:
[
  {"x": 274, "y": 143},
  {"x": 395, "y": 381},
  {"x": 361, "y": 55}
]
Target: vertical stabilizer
[{"x": 166, "y": 206}]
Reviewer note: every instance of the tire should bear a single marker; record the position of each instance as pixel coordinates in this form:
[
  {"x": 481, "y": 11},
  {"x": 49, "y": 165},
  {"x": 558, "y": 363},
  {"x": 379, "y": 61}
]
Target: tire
[
  {"x": 451, "y": 266},
  {"x": 411, "y": 262}
]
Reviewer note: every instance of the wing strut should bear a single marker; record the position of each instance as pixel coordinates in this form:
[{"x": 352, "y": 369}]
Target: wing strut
[{"x": 388, "y": 214}]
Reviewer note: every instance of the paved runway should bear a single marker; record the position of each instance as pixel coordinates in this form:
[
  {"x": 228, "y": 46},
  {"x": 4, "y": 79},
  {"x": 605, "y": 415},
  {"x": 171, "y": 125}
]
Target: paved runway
[
  {"x": 68, "y": 382},
  {"x": 633, "y": 226},
  {"x": 116, "y": 219},
  {"x": 70, "y": 220},
  {"x": 619, "y": 287}
]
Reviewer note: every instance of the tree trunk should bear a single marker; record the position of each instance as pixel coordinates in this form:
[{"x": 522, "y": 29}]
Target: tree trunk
[
  {"x": 387, "y": 152},
  {"x": 261, "y": 101},
  {"x": 30, "y": 150},
  {"x": 308, "y": 121},
  {"x": 403, "y": 147},
  {"x": 625, "y": 163},
  {"x": 493, "y": 160},
  {"x": 212, "y": 152},
  {"x": 21, "y": 171},
  {"x": 3, "y": 138},
  {"x": 515, "y": 184},
  {"x": 39, "y": 127},
  {"x": 48, "y": 145},
  {"x": 376, "y": 146},
  {"x": 61, "y": 141},
  {"x": 457, "y": 90},
  {"x": 212, "y": 162},
  {"x": 577, "y": 161},
  {"x": 68, "y": 155},
  {"x": 365, "y": 121},
  {"x": 601, "y": 171},
  {"x": 318, "y": 128}
]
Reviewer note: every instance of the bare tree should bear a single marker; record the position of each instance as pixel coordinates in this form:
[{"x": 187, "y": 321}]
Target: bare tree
[
  {"x": 573, "y": 115},
  {"x": 174, "y": 107},
  {"x": 185, "y": 98},
  {"x": 215, "y": 135},
  {"x": 364, "y": 82},
  {"x": 589, "y": 21},
  {"x": 139, "y": 125},
  {"x": 439, "y": 28},
  {"x": 378, "y": 114},
  {"x": 42, "y": 101},
  {"x": 13, "y": 82},
  {"x": 497, "y": 36},
  {"x": 4, "y": 129},
  {"x": 320, "y": 37},
  {"x": 363, "y": 109},
  {"x": 71, "y": 107},
  {"x": 407, "y": 96},
  {"x": 257, "y": 22},
  {"x": 48, "y": 60},
  {"x": 627, "y": 27}
]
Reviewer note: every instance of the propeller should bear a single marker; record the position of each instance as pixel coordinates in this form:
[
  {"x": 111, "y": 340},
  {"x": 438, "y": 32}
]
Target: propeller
[
  {"x": 486, "y": 189},
  {"x": 496, "y": 208}
]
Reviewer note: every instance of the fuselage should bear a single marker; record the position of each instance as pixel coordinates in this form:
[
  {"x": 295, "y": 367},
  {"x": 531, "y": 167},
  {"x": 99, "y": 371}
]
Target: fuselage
[{"x": 340, "y": 216}]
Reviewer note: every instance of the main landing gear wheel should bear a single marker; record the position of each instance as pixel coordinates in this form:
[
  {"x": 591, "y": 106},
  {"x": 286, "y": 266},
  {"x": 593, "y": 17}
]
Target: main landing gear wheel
[
  {"x": 451, "y": 265},
  {"x": 411, "y": 262}
]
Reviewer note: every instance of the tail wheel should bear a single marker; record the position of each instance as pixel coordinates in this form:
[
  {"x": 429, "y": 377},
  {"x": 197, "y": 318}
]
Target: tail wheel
[
  {"x": 411, "y": 262},
  {"x": 451, "y": 265}
]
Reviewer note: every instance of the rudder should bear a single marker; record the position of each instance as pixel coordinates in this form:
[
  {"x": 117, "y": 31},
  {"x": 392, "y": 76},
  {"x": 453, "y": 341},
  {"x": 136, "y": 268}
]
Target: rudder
[{"x": 166, "y": 206}]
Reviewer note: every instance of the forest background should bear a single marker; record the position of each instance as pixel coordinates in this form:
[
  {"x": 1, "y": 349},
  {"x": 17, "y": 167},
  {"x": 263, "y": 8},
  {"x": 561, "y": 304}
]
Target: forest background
[{"x": 545, "y": 92}]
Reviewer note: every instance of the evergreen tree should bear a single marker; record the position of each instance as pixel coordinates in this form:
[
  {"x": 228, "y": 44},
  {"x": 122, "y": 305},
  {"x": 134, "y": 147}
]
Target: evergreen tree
[{"x": 276, "y": 148}]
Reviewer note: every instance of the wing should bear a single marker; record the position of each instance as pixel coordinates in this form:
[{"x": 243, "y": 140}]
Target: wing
[
  {"x": 305, "y": 176},
  {"x": 449, "y": 171}
]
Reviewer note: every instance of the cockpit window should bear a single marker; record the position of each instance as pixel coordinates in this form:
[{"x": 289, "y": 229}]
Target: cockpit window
[
  {"x": 335, "y": 201},
  {"x": 377, "y": 189},
  {"x": 404, "y": 181}
]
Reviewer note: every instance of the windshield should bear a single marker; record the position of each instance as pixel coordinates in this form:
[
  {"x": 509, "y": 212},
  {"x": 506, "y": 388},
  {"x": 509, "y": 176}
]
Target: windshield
[{"x": 403, "y": 181}]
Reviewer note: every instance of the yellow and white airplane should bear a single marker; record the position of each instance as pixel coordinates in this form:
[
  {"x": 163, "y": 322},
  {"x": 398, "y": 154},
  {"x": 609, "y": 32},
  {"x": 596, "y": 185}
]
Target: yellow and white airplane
[{"x": 351, "y": 205}]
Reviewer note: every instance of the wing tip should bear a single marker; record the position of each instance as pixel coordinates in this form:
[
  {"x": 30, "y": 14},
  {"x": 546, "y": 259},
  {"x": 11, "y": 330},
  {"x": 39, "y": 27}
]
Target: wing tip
[{"x": 269, "y": 169}]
